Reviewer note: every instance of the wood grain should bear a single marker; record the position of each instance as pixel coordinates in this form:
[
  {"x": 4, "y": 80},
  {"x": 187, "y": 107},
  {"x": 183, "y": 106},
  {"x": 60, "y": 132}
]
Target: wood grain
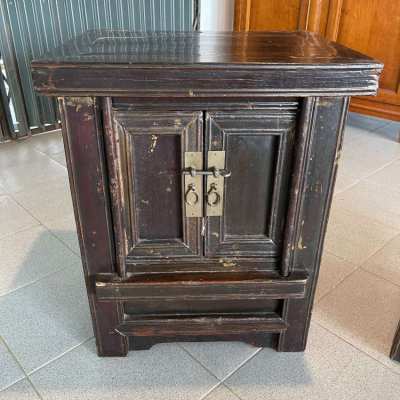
[{"x": 361, "y": 25}]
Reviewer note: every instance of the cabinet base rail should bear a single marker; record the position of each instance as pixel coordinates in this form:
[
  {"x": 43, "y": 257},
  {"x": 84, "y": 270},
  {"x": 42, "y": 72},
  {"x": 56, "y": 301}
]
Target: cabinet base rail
[{"x": 233, "y": 286}]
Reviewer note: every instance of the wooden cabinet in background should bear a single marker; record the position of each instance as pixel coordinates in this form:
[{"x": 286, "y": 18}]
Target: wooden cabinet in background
[{"x": 369, "y": 26}]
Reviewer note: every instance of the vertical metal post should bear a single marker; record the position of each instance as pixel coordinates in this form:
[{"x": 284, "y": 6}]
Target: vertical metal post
[{"x": 10, "y": 63}]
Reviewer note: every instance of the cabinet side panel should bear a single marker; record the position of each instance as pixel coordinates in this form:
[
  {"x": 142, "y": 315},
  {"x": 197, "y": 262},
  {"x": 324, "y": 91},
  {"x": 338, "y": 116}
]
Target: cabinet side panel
[
  {"x": 87, "y": 173},
  {"x": 325, "y": 129}
]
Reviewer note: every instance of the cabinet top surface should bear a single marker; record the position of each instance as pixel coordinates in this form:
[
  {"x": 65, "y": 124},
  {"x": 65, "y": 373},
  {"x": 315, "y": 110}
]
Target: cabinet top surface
[{"x": 202, "y": 48}]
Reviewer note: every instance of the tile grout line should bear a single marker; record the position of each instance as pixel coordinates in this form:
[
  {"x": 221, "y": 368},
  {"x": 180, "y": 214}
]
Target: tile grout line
[
  {"x": 78, "y": 254},
  {"x": 338, "y": 284},
  {"x": 22, "y": 369},
  {"x": 397, "y": 233},
  {"x": 231, "y": 390},
  {"x": 222, "y": 384},
  {"x": 25, "y": 228},
  {"x": 355, "y": 347},
  {"x": 359, "y": 267},
  {"x": 220, "y": 381},
  {"x": 58, "y": 356},
  {"x": 44, "y": 226},
  {"x": 380, "y": 277},
  {"x": 50, "y": 156},
  {"x": 380, "y": 168},
  {"x": 242, "y": 364},
  {"x": 38, "y": 280},
  {"x": 203, "y": 396},
  {"x": 203, "y": 366}
]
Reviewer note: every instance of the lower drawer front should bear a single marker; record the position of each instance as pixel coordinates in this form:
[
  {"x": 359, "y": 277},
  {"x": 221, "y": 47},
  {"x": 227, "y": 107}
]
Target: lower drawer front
[
  {"x": 167, "y": 308},
  {"x": 202, "y": 325}
]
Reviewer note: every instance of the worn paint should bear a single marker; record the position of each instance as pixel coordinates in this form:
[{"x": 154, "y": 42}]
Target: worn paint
[
  {"x": 153, "y": 144},
  {"x": 227, "y": 263},
  {"x": 79, "y": 102}
]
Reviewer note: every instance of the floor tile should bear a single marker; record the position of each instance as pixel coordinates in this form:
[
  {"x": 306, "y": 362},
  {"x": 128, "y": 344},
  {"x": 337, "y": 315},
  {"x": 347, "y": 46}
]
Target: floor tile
[
  {"x": 20, "y": 391},
  {"x": 60, "y": 158},
  {"x": 221, "y": 358},
  {"x": 65, "y": 229},
  {"x": 47, "y": 201},
  {"x": 366, "y": 152},
  {"x": 367, "y": 379},
  {"x": 386, "y": 262},
  {"x": 354, "y": 237},
  {"x": 49, "y": 143},
  {"x": 365, "y": 121},
  {"x": 220, "y": 393},
  {"x": 10, "y": 372},
  {"x": 332, "y": 271},
  {"x": 164, "y": 372},
  {"x": 41, "y": 321},
  {"x": 309, "y": 375},
  {"x": 371, "y": 200},
  {"x": 391, "y": 131},
  {"x": 27, "y": 176},
  {"x": 30, "y": 255},
  {"x": 364, "y": 310},
  {"x": 344, "y": 180},
  {"x": 388, "y": 176},
  {"x": 19, "y": 153},
  {"x": 13, "y": 217}
]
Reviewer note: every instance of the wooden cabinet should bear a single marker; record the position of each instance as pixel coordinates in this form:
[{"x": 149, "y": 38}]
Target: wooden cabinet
[
  {"x": 201, "y": 168},
  {"x": 371, "y": 27}
]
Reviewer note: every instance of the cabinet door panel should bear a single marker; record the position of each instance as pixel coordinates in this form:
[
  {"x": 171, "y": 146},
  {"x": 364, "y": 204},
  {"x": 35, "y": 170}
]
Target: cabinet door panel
[
  {"x": 151, "y": 148},
  {"x": 258, "y": 147}
]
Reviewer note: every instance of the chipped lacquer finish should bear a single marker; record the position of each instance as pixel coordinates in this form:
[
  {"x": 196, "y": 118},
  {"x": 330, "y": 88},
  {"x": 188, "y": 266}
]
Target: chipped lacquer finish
[{"x": 136, "y": 110}]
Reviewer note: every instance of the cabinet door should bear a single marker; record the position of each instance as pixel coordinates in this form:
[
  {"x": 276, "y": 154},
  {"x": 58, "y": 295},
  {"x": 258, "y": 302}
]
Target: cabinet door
[
  {"x": 258, "y": 151},
  {"x": 148, "y": 162}
]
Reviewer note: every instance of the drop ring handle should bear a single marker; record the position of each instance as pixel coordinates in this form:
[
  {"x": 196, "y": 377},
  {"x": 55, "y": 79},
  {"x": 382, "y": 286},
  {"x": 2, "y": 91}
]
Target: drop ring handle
[
  {"x": 213, "y": 197},
  {"x": 191, "y": 197}
]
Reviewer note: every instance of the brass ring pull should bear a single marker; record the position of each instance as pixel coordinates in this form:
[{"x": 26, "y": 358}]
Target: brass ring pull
[
  {"x": 213, "y": 192},
  {"x": 191, "y": 197}
]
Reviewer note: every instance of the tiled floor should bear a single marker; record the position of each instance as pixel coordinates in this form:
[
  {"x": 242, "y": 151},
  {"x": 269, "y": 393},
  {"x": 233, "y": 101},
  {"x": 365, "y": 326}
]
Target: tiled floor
[{"x": 46, "y": 341}]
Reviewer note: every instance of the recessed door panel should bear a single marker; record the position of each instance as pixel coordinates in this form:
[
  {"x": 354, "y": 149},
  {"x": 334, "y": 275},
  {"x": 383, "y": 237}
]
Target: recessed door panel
[
  {"x": 258, "y": 147},
  {"x": 151, "y": 148},
  {"x": 252, "y": 159}
]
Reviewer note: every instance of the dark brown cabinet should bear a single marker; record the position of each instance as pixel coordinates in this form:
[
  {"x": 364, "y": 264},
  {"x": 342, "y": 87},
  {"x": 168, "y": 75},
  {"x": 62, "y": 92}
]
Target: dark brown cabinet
[{"x": 201, "y": 168}]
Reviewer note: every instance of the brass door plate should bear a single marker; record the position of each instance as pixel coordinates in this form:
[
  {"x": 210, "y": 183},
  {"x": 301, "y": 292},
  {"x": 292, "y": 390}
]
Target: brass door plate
[
  {"x": 215, "y": 185},
  {"x": 193, "y": 185}
]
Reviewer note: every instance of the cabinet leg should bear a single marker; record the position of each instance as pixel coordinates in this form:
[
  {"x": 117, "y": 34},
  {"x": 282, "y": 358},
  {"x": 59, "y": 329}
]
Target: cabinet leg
[
  {"x": 109, "y": 343},
  {"x": 298, "y": 314}
]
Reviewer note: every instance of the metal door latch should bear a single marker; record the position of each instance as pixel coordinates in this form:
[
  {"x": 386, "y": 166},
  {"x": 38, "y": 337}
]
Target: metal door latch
[
  {"x": 193, "y": 175},
  {"x": 193, "y": 191},
  {"x": 215, "y": 183}
]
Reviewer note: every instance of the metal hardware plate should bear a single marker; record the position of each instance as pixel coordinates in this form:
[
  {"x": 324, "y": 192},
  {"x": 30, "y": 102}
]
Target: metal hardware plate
[
  {"x": 215, "y": 185},
  {"x": 193, "y": 185}
]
